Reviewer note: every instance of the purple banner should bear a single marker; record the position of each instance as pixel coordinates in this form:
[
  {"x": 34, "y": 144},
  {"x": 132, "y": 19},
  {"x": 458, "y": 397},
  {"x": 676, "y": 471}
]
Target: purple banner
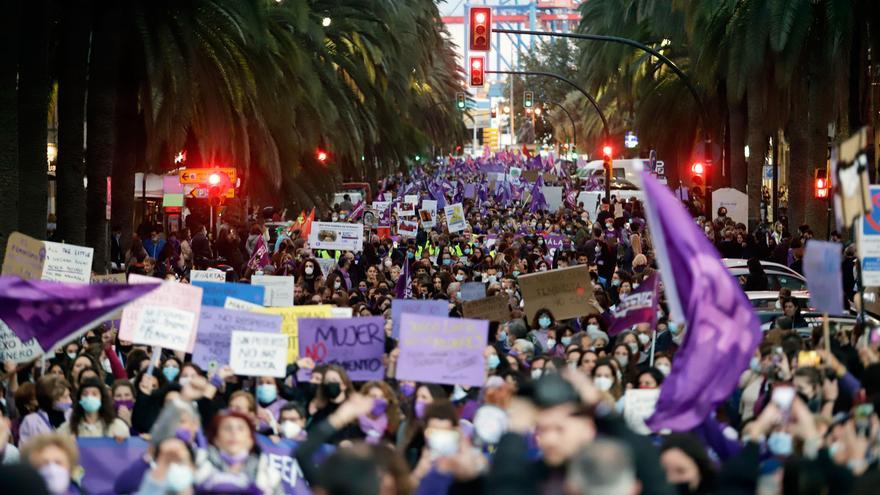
[
  {"x": 215, "y": 332},
  {"x": 104, "y": 459},
  {"x": 53, "y": 311},
  {"x": 442, "y": 350},
  {"x": 639, "y": 306},
  {"x": 554, "y": 241},
  {"x": 356, "y": 344},
  {"x": 722, "y": 329},
  {"x": 281, "y": 459},
  {"x": 428, "y": 307}
]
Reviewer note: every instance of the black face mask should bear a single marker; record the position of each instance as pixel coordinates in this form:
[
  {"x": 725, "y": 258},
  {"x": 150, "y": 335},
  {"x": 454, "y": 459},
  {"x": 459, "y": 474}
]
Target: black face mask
[
  {"x": 332, "y": 390},
  {"x": 684, "y": 489}
]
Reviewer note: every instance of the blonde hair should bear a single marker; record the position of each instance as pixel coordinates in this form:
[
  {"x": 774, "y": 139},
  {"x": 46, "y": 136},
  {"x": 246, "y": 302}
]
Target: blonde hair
[{"x": 41, "y": 442}]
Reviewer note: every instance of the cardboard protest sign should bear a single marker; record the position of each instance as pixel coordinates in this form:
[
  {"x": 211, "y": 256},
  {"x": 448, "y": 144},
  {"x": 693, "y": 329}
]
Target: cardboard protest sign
[
  {"x": 239, "y": 305},
  {"x": 215, "y": 333},
  {"x": 471, "y": 291},
  {"x": 258, "y": 354},
  {"x": 166, "y": 317},
  {"x": 407, "y": 228},
  {"x": 356, "y": 344},
  {"x": 279, "y": 290},
  {"x": 215, "y": 293},
  {"x": 639, "y": 405},
  {"x": 822, "y": 267},
  {"x": 428, "y": 307},
  {"x": 454, "y": 217},
  {"x": 33, "y": 259},
  {"x": 337, "y": 235},
  {"x": 207, "y": 276},
  {"x": 290, "y": 327},
  {"x": 495, "y": 308},
  {"x": 530, "y": 175},
  {"x": 442, "y": 350},
  {"x": 566, "y": 292},
  {"x": 113, "y": 278},
  {"x": 13, "y": 349}
]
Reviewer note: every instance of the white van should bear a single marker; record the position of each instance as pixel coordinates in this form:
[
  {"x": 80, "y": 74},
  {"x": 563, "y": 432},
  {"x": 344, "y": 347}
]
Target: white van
[{"x": 627, "y": 169}]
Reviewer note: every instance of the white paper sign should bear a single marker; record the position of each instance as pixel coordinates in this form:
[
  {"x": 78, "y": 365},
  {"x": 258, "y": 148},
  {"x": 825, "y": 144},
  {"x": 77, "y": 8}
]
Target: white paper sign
[
  {"x": 166, "y": 327},
  {"x": 407, "y": 228},
  {"x": 454, "y": 217},
  {"x": 553, "y": 195},
  {"x": 337, "y": 235},
  {"x": 638, "y": 406},
  {"x": 327, "y": 265},
  {"x": 736, "y": 202},
  {"x": 381, "y": 206},
  {"x": 279, "y": 290},
  {"x": 207, "y": 276},
  {"x": 13, "y": 349},
  {"x": 239, "y": 305},
  {"x": 68, "y": 263},
  {"x": 341, "y": 312},
  {"x": 258, "y": 354}
]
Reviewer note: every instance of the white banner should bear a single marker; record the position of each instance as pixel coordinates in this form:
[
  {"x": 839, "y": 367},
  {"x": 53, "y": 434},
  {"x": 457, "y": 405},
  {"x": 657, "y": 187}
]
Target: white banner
[{"x": 337, "y": 235}]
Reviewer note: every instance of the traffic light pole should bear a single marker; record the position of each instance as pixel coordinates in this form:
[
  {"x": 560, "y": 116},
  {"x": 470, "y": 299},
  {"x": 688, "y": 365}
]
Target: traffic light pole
[
  {"x": 704, "y": 116},
  {"x": 571, "y": 119}
]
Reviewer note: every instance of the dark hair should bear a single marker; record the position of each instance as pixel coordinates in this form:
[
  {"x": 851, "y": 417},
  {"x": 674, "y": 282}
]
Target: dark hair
[
  {"x": 654, "y": 372},
  {"x": 442, "y": 409},
  {"x": 48, "y": 389},
  {"x": 693, "y": 448},
  {"x": 105, "y": 413}
]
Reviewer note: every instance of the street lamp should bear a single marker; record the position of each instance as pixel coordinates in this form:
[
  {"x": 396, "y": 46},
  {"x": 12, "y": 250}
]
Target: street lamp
[
  {"x": 538, "y": 111},
  {"x": 506, "y": 108},
  {"x": 326, "y": 21}
]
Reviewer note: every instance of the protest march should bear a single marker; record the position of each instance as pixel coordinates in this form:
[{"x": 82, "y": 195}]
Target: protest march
[{"x": 491, "y": 325}]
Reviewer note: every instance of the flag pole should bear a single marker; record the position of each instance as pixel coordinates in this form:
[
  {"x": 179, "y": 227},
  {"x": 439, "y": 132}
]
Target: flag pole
[
  {"x": 653, "y": 345},
  {"x": 826, "y": 332}
]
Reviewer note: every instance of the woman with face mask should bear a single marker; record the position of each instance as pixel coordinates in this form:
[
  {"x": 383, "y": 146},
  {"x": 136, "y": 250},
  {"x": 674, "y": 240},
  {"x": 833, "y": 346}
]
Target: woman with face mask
[
  {"x": 605, "y": 378},
  {"x": 54, "y": 456},
  {"x": 688, "y": 467},
  {"x": 54, "y": 403},
  {"x": 93, "y": 414},
  {"x": 269, "y": 402},
  {"x": 383, "y": 420},
  {"x": 234, "y": 463},
  {"x": 543, "y": 320},
  {"x": 173, "y": 470},
  {"x": 335, "y": 387}
]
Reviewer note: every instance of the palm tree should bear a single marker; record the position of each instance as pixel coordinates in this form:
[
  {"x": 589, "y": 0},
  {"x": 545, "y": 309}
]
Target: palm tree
[{"x": 9, "y": 38}]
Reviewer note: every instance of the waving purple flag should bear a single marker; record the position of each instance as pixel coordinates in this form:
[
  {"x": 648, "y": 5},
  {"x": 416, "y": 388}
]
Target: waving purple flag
[
  {"x": 404, "y": 282},
  {"x": 52, "y": 311},
  {"x": 260, "y": 258},
  {"x": 722, "y": 329},
  {"x": 639, "y": 306},
  {"x": 538, "y": 201}
]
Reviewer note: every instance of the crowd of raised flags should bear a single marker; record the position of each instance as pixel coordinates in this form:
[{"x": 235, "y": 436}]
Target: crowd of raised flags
[{"x": 591, "y": 349}]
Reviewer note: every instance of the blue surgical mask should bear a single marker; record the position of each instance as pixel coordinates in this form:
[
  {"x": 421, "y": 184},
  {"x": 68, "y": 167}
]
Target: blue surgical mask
[
  {"x": 544, "y": 321},
  {"x": 170, "y": 373},
  {"x": 493, "y": 361},
  {"x": 566, "y": 341},
  {"x": 755, "y": 364},
  {"x": 459, "y": 278},
  {"x": 90, "y": 404},
  {"x": 267, "y": 393},
  {"x": 502, "y": 336},
  {"x": 447, "y": 261},
  {"x": 515, "y": 273},
  {"x": 410, "y": 254},
  {"x": 780, "y": 443}
]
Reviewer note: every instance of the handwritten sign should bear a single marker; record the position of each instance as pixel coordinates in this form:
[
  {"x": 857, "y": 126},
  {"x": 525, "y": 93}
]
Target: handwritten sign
[
  {"x": 442, "y": 350},
  {"x": 258, "y": 354},
  {"x": 471, "y": 291},
  {"x": 239, "y": 305},
  {"x": 567, "y": 292},
  {"x": 13, "y": 349},
  {"x": 638, "y": 406},
  {"x": 113, "y": 278},
  {"x": 495, "y": 308},
  {"x": 290, "y": 327},
  {"x": 427, "y": 307},
  {"x": 279, "y": 290},
  {"x": 33, "y": 259},
  {"x": 356, "y": 344},
  {"x": 215, "y": 293},
  {"x": 207, "y": 276},
  {"x": 215, "y": 333},
  {"x": 166, "y": 327},
  {"x": 183, "y": 297}
]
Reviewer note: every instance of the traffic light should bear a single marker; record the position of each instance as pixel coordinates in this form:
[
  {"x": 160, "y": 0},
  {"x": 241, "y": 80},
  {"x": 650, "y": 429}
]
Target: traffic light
[
  {"x": 214, "y": 179},
  {"x": 821, "y": 185},
  {"x": 607, "y": 152},
  {"x": 478, "y": 66},
  {"x": 698, "y": 172},
  {"x": 322, "y": 156},
  {"x": 494, "y": 112},
  {"x": 481, "y": 29},
  {"x": 528, "y": 99},
  {"x": 460, "y": 101}
]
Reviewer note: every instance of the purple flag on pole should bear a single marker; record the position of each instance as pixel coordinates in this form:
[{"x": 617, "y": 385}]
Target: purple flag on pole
[
  {"x": 538, "y": 201},
  {"x": 404, "y": 282},
  {"x": 722, "y": 329},
  {"x": 639, "y": 306},
  {"x": 53, "y": 311},
  {"x": 260, "y": 258}
]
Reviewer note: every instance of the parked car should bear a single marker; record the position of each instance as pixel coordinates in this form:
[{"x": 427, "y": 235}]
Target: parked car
[
  {"x": 778, "y": 276},
  {"x": 766, "y": 299}
]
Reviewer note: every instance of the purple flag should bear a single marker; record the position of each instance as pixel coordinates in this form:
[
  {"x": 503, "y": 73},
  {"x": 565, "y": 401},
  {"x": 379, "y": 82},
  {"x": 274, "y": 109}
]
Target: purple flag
[
  {"x": 538, "y": 201},
  {"x": 639, "y": 306},
  {"x": 722, "y": 329},
  {"x": 260, "y": 258},
  {"x": 53, "y": 311},
  {"x": 103, "y": 460},
  {"x": 404, "y": 282},
  {"x": 357, "y": 211}
]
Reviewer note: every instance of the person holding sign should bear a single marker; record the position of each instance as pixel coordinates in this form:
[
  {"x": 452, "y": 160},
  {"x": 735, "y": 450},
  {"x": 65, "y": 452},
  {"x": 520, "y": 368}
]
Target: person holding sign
[{"x": 334, "y": 389}]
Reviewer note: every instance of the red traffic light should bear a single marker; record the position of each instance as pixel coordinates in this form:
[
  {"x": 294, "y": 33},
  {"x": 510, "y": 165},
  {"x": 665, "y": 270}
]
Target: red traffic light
[
  {"x": 480, "y": 29},
  {"x": 607, "y": 151},
  {"x": 321, "y": 155},
  {"x": 477, "y": 70},
  {"x": 214, "y": 179},
  {"x": 698, "y": 168},
  {"x": 822, "y": 185}
]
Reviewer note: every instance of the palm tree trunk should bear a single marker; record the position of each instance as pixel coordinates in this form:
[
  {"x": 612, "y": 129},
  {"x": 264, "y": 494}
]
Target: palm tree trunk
[
  {"x": 130, "y": 150},
  {"x": 819, "y": 102},
  {"x": 9, "y": 39},
  {"x": 737, "y": 124},
  {"x": 72, "y": 83},
  {"x": 757, "y": 137},
  {"x": 101, "y": 127},
  {"x": 798, "y": 179},
  {"x": 33, "y": 110}
]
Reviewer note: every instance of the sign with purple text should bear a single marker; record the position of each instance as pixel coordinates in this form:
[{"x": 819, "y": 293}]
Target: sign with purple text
[
  {"x": 356, "y": 344},
  {"x": 442, "y": 350},
  {"x": 215, "y": 332},
  {"x": 428, "y": 307}
]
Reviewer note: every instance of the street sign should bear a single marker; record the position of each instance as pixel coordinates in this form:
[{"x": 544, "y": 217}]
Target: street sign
[
  {"x": 869, "y": 241},
  {"x": 191, "y": 191},
  {"x": 200, "y": 175}
]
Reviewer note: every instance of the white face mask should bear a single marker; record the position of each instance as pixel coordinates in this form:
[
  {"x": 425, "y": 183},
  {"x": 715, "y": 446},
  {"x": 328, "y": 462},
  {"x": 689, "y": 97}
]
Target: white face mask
[
  {"x": 443, "y": 442},
  {"x": 664, "y": 368},
  {"x": 622, "y": 360},
  {"x": 643, "y": 338},
  {"x": 290, "y": 430},
  {"x": 337, "y": 284},
  {"x": 603, "y": 383},
  {"x": 178, "y": 478},
  {"x": 309, "y": 270},
  {"x": 551, "y": 343},
  {"x": 536, "y": 373}
]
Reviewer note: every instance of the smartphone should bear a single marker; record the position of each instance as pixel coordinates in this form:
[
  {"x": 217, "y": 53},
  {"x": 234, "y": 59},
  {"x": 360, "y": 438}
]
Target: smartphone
[
  {"x": 874, "y": 337},
  {"x": 807, "y": 359},
  {"x": 862, "y": 418},
  {"x": 783, "y": 396}
]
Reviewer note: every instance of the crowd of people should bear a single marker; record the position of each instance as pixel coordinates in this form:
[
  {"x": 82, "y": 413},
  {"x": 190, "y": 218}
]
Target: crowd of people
[{"x": 550, "y": 417}]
